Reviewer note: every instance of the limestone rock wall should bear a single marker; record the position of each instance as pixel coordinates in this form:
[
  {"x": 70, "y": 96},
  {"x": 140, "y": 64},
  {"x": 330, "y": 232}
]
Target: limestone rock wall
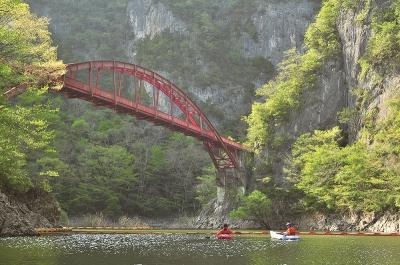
[
  {"x": 280, "y": 26},
  {"x": 387, "y": 222},
  {"x": 333, "y": 93},
  {"x": 149, "y": 19}
]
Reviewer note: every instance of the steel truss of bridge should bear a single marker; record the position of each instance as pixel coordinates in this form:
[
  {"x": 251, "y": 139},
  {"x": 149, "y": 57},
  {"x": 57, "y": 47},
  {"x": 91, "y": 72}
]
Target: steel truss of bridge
[{"x": 131, "y": 89}]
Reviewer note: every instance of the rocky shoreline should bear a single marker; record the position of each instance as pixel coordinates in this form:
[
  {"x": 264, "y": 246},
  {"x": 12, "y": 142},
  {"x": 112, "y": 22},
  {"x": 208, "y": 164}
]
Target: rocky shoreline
[
  {"x": 20, "y": 214},
  {"x": 216, "y": 213},
  {"x": 387, "y": 222}
]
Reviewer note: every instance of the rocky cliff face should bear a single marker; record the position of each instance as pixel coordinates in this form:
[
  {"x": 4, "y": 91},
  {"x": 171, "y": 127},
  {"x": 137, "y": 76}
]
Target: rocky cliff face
[
  {"x": 148, "y": 19},
  {"x": 279, "y": 26},
  {"x": 387, "y": 222},
  {"x": 334, "y": 91},
  {"x": 354, "y": 36},
  {"x": 20, "y": 214},
  {"x": 321, "y": 106},
  {"x": 339, "y": 78}
]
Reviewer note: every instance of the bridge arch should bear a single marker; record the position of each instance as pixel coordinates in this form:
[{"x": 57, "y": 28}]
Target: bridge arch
[{"x": 132, "y": 89}]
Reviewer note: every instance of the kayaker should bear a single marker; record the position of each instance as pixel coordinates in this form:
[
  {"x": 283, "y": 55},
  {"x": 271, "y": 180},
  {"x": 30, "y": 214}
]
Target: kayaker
[
  {"x": 291, "y": 230},
  {"x": 225, "y": 230}
]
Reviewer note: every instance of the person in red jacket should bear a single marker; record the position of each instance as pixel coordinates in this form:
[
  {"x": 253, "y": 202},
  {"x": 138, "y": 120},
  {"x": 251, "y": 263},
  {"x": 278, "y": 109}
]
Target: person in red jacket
[
  {"x": 225, "y": 230},
  {"x": 291, "y": 230}
]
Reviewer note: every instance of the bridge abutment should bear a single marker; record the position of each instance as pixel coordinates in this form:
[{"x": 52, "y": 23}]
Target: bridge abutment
[
  {"x": 237, "y": 181},
  {"x": 232, "y": 184}
]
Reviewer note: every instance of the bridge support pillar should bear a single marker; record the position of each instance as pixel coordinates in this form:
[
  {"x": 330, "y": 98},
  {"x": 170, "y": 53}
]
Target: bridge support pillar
[
  {"x": 232, "y": 183},
  {"x": 238, "y": 180}
]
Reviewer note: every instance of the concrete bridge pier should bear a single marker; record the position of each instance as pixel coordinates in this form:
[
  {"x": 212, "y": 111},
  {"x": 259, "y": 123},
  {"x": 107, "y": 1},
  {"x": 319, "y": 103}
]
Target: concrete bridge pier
[{"x": 233, "y": 182}]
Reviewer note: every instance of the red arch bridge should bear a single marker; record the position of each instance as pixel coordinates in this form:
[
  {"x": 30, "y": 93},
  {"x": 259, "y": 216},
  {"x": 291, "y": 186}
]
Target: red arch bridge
[{"x": 134, "y": 90}]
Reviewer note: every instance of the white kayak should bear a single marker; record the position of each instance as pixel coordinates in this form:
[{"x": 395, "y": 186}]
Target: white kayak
[{"x": 282, "y": 236}]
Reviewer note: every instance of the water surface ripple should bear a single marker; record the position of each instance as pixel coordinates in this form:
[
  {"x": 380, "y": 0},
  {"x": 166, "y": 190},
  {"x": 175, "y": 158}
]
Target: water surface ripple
[{"x": 196, "y": 249}]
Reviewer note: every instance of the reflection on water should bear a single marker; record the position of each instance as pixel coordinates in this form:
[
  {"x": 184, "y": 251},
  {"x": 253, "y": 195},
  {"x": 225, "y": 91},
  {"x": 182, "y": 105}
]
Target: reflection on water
[{"x": 196, "y": 249}]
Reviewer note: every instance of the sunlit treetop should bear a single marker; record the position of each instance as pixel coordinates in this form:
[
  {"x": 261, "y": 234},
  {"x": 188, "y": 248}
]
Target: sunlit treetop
[{"x": 26, "y": 52}]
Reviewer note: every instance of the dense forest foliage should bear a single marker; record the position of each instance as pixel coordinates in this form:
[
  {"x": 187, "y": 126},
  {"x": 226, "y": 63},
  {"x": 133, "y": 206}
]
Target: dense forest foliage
[
  {"x": 92, "y": 159},
  {"x": 27, "y": 60},
  {"x": 327, "y": 173},
  {"x": 87, "y": 29}
]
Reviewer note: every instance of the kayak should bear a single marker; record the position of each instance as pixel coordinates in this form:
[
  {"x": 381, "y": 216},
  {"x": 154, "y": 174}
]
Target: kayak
[
  {"x": 224, "y": 236},
  {"x": 281, "y": 236}
]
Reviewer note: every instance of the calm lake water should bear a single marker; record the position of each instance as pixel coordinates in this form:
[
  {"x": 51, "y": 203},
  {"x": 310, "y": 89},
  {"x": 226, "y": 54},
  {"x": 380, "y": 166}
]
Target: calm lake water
[{"x": 196, "y": 249}]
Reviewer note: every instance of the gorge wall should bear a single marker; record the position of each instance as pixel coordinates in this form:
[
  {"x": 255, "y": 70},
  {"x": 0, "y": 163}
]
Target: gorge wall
[
  {"x": 342, "y": 85},
  {"x": 265, "y": 29},
  {"x": 335, "y": 87}
]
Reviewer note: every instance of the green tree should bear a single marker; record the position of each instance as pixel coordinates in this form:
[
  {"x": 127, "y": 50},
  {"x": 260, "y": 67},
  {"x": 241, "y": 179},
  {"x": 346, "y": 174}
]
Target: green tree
[
  {"x": 27, "y": 59},
  {"x": 26, "y": 55},
  {"x": 206, "y": 189},
  {"x": 106, "y": 175},
  {"x": 255, "y": 207},
  {"x": 297, "y": 74},
  {"x": 382, "y": 53},
  {"x": 352, "y": 178}
]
